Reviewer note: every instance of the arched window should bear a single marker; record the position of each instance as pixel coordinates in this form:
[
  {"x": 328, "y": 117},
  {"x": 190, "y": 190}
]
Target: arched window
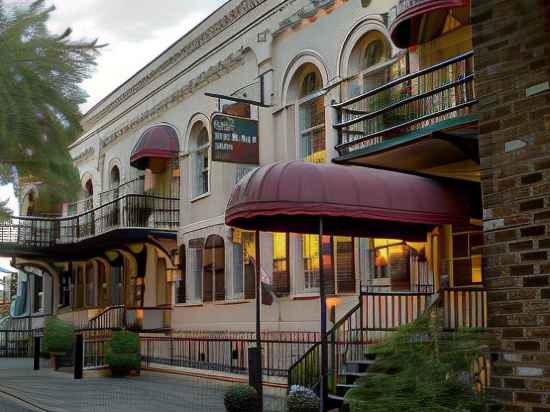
[
  {"x": 371, "y": 64},
  {"x": 306, "y": 91},
  {"x": 200, "y": 162},
  {"x": 89, "y": 195},
  {"x": 114, "y": 179},
  {"x": 214, "y": 269}
]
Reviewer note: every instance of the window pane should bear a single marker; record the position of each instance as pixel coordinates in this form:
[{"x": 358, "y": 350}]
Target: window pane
[
  {"x": 312, "y": 146},
  {"x": 238, "y": 274},
  {"x": 310, "y": 254},
  {"x": 249, "y": 251},
  {"x": 460, "y": 246},
  {"x": 281, "y": 278},
  {"x": 462, "y": 272}
]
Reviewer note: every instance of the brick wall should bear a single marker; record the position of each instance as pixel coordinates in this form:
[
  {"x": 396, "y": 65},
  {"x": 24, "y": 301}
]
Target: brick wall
[{"x": 512, "y": 47}]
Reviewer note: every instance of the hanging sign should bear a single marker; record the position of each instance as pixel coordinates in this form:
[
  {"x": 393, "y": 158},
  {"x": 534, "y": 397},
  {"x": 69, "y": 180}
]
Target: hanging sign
[{"x": 235, "y": 139}]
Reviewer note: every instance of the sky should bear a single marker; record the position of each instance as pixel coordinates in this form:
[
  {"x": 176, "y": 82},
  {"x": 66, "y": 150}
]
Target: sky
[{"x": 135, "y": 31}]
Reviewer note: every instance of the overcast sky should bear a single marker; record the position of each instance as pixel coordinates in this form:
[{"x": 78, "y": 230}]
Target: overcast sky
[{"x": 136, "y": 31}]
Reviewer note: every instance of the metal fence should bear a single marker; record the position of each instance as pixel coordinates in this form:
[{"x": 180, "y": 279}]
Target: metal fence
[
  {"x": 17, "y": 343},
  {"x": 227, "y": 353}
]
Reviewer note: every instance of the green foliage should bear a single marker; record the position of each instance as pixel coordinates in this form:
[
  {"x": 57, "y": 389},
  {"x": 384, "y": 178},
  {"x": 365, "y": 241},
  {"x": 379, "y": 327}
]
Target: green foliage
[
  {"x": 123, "y": 354},
  {"x": 58, "y": 336},
  {"x": 421, "y": 367},
  {"x": 241, "y": 398},
  {"x": 5, "y": 212},
  {"x": 40, "y": 74},
  {"x": 301, "y": 399}
]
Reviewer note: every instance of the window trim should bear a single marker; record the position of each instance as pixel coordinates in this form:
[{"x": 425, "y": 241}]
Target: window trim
[{"x": 192, "y": 159}]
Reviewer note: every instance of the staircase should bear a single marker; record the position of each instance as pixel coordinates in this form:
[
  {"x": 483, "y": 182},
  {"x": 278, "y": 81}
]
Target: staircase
[{"x": 376, "y": 315}]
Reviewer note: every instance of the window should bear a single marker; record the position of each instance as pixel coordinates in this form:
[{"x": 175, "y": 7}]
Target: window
[
  {"x": 103, "y": 286},
  {"x": 214, "y": 269},
  {"x": 115, "y": 177},
  {"x": 194, "y": 286},
  {"x": 90, "y": 282},
  {"x": 466, "y": 257},
  {"x": 374, "y": 53},
  {"x": 244, "y": 272},
  {"x": 200, "y": 161},
  {"x": 310, "y": 255},
  {"x": 403, "y": 264},
  {"x": 38, "y": 293},
  {"x": 180, "y": 283},
  {"x": 281, "y": 269},
  {"x": 312, "y": 120}
]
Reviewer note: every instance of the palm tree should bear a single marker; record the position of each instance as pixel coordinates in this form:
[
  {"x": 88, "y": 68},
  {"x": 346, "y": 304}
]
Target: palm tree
[{"x": 40, "y": 94}]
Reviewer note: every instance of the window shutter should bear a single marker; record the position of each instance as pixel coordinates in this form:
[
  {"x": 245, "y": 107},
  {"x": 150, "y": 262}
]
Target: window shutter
[
  {"x": 345, "y": 266},
  {"x": 249, "y": 281}
]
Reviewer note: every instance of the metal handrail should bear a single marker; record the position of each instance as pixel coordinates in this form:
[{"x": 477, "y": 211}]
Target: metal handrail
[{"x": 403, "y": 79}]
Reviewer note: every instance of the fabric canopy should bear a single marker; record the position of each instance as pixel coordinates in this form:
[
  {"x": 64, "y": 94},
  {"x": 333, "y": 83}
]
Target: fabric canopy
[
  {"x": 157, "y": 142},
  {"x": 425, "y": 20},
  {"x": 352, "y": 200}
]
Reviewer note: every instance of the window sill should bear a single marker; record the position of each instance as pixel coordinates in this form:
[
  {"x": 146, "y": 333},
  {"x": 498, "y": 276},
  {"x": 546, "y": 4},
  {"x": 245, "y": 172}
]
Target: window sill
[
  {"x": 199, "y": 197},
  {"x": 234, "y": 302},
  {"x": 188, "y": 305}
]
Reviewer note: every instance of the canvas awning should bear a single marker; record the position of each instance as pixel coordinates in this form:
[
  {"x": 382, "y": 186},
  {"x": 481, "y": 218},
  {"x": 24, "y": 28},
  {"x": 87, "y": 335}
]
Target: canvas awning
[
  {"x": 354, "y": 201},
  {"x": 155, "y": 146},
  {"x": 420, "y": 21}
]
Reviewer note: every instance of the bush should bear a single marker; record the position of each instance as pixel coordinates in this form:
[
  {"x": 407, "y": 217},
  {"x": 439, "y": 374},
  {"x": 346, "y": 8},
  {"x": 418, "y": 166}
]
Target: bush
[
  {"x": 58, "y": 336},
  {"x": 301, "y": 399},
  {"x": 123, "y": 354},
  {"x": 241, "y": 398},
  {"x": 445, "y": 381}
]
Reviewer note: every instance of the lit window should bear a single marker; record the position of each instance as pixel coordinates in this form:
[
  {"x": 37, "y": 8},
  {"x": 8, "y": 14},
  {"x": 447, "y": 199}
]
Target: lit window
[
  {"x": 281, "y": 275},
  {"x": 312, "y": 120},
  {"x": 244, "y": 272},
  {"x": 466, "y": 259}
]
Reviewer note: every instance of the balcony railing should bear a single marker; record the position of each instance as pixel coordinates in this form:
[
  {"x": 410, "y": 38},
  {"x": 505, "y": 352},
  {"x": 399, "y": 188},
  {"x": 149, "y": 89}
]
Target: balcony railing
[
  {"x": 415, "y": 101},
  {"x": 128, "y": 211}
]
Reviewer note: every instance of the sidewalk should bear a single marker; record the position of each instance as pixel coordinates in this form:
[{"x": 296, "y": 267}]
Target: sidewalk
[{"x": 59, "y": 392}]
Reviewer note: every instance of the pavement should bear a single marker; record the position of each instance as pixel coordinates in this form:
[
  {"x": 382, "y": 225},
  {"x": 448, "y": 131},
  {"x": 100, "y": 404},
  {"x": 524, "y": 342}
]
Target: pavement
[{"x": 22, "y": 389}]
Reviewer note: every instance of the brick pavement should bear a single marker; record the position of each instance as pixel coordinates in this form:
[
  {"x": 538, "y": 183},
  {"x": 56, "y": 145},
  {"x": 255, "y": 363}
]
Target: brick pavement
[{"x": 59, "y": 392}]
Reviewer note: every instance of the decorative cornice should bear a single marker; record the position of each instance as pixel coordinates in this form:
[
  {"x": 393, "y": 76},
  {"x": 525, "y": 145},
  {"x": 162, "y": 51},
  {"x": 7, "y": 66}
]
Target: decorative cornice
[
  {"x": 86, "y": 154},
  {"x": 235, "y": 14},
  {"x": 213, "y": 73},
  {"x": 306, "y": 12}
]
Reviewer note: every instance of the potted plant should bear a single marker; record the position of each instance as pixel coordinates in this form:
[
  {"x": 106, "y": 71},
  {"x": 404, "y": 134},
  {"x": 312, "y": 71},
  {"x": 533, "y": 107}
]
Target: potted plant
[
  {"x": 123, "y": 355},
  {"x": 302, "y": 399},
  {"x": 58, "y": 339},
  {"x": 241, "y": 398}
]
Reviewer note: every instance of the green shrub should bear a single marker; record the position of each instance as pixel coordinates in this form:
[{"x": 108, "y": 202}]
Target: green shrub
[
  {"x": 58, "y": 336},
  {"x": 241, "y": 398},
  {"x": 301, "y": 399},
  {"x": 123, "y": 354},
  {"x": 423, "y": 368}
]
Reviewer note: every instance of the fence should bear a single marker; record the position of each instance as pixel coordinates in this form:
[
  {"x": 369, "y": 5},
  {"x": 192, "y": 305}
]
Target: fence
[
  {"x": 227, "y": 354},
  {"x": 464, "y": 308},
  {"x": 17, "y": 343}
]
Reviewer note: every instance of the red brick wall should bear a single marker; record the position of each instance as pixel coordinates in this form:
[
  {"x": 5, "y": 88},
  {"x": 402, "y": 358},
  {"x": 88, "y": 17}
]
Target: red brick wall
[{"x": 512, "y": 47}]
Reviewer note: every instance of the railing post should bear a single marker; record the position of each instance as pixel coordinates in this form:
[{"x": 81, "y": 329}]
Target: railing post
[
  {"x": 79, "y": 356},
  {"x": 36, "y": 353}
]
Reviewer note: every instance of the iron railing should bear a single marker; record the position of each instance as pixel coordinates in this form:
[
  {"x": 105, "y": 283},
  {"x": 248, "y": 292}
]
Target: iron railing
[
  {"x": 225, "y": 353},
  {"x": 133, "y": 186},
  {"x": 17, "y": 343},
  {"x": 417, "y": 100},
  {"x": 347, "y": 341},
  {"x": 128, "y": 211},
  {"x": 464, "y": 308},
  {"x": 112, "y": 317}
]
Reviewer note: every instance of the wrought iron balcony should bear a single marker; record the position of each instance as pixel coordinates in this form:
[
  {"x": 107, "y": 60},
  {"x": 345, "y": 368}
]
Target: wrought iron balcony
[
  {"x": 415, "y": 101},
  {"x": 131, "y": 211}
]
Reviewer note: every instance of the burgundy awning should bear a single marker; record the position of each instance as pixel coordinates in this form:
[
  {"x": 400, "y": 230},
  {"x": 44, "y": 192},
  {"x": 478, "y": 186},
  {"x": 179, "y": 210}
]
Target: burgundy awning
[
  {"x": 419, "y": 21},
  {"x": 158, "y": 143},
  {"x": 353, "y": 201}
]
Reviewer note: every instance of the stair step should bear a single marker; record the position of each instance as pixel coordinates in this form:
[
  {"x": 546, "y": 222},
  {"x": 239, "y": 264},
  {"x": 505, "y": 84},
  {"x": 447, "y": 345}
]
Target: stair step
[
  {"x": 336, "y": 397},
  {"x": 346, "y": 385},
  {"x": 362, "y": 361}
]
